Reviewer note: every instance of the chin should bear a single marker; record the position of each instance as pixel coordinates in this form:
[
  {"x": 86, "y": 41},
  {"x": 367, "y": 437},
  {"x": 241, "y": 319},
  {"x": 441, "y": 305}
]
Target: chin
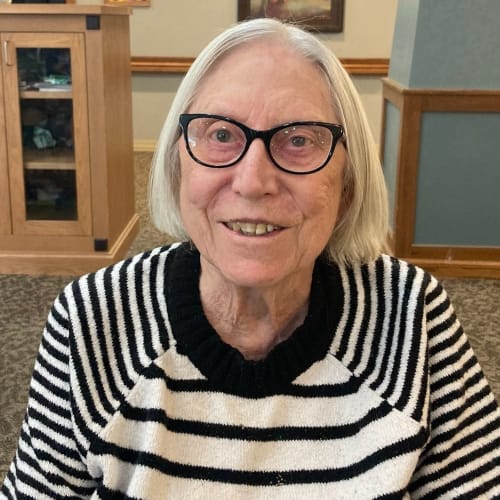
[{"x": 251, "y": 274}]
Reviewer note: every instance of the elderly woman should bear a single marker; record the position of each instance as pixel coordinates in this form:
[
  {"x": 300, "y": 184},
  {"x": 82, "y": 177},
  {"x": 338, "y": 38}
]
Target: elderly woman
[{"x": 275, "y": 353}]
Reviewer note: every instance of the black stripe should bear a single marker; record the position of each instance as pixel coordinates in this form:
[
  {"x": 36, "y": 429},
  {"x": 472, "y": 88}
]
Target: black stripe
[
  {"x": 141, "y": 314},
  {"x": 481, "y": 489},
  {"x": 396, "y": 495},
  {"x": 109, "y": 286},
  {"x": 244, "y": 433},
  {"x": 106, "y": 493},
  {"x": 379, "y": 322},
  {"x": 56, "y": 317},
  {"x": 53, "y": 408},
  {"x": 132, "y": 349},
  {"x": 51, "y": 423},
  {"x": 459, "y": 395},
  {"x": 448, "y": 342},
  {"x": 450, "y": 360},
  {"x": 395, "y": 273},
  {"x": 50, "y": 478},
  {"x": 433, "y": 294},
  {"x": 53, "y": 351},
  {"x": 439, "y": 309},
  {"x": 402, "y": 332},
  {"x": 90, "y": 355},
  {"x": 469, "y": 475},
  {"x": 459, "y": 463},
  {"x": 102, "y": 338},
  {"x": 457, "y": 444},
  {"x": 361, "y": 339},
  {"x": 454, "y": 376},
  {"x": 411, "y": 381},
  {"x": 156, "y": 272},
  {"x": 257, "y": 478},
  {"x": 51, "y": 369},
  {"x": 140, "y": 298},
  {"x": 63, "y": 467},
  {"x": 421, "y": 396},
  {"x": 28, "y": 479},
  {"x": 151, "y": 274},
  {"x": 351, "y": 386},
  {"x": 57, "y": 391},
  {"x": 353, "y": 311},
  {"x": 9, "y": 478},
  {"x": 443, "y": 326}
]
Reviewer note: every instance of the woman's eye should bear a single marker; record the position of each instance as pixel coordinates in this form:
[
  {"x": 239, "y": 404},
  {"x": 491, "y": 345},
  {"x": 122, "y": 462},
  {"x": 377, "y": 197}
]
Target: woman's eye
[
  {"x": 299, "y": 141},
  {"x": 222, "y": 135}
]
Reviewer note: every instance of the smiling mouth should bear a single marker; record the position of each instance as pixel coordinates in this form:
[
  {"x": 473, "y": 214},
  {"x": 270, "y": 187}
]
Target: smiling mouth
[{"x": 252, "y": 229}]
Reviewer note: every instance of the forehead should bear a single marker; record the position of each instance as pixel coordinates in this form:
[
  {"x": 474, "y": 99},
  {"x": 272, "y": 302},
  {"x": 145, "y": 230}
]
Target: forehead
[{"x": 265, "y": 73}]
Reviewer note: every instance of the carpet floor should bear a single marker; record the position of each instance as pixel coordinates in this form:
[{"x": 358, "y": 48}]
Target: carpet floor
[{"x": 26, "y": 300}]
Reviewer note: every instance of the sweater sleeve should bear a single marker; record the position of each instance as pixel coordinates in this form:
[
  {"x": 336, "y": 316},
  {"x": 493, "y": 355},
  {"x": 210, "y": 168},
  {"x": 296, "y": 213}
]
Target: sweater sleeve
[
  {"x": 462, "y": 457},
  {"x": 48, "y": 462}
]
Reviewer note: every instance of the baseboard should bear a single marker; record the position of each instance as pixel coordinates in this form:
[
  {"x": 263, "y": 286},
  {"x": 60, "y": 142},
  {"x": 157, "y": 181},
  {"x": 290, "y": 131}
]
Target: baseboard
[{"x": 144, "y": 146}]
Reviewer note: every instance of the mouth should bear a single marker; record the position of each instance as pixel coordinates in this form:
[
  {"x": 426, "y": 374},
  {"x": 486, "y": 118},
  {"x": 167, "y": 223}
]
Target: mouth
[{"x": 252, "y": 228}]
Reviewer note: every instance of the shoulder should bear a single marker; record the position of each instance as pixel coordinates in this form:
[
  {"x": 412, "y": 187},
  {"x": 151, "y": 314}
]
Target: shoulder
[
  {"x": 121, "y": 276},
  {"x": 383, "y": 334},
  {"x": 390, "y": 277},
  {"x": 124, "y": 302},
  {"x": 115, "y": 325},
  {"x": 412, "y": 294}
]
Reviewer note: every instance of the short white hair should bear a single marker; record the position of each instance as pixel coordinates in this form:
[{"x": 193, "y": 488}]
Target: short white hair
[{"x": 361, "y": 232}]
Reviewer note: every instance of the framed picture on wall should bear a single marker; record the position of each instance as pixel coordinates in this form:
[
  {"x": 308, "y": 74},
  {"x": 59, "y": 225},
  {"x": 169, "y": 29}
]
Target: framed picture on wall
[
  {"x": 315, "y": 15},
  {"x": 128, "y": 3}
]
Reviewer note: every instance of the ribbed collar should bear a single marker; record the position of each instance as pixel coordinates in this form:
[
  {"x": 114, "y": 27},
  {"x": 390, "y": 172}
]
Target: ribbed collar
[{"x": 224, "y": 367}]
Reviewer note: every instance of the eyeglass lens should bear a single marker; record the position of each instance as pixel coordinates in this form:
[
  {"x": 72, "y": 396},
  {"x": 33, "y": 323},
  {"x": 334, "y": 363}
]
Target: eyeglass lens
[{"x": 297, "y": 148}]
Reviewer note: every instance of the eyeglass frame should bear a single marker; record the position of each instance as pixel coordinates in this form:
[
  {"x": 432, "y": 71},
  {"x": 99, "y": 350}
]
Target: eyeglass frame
[{"x": 251, "y": 134}]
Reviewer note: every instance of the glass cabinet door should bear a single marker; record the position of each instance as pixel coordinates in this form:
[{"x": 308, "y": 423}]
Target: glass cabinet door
[{"x": 46, "y": 129}]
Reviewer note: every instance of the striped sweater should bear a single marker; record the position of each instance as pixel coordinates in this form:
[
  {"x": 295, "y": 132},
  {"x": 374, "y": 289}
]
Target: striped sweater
[{"x": 377, "y": 395}]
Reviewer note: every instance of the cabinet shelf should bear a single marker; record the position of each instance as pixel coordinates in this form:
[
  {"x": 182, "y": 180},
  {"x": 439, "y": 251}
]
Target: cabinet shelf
[
  {"x": 45, "y": 94},
  {"x": 49, "y": 159}
]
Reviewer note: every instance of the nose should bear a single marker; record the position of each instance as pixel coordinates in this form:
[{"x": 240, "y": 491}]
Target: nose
[{"x": 255, "y": 174}]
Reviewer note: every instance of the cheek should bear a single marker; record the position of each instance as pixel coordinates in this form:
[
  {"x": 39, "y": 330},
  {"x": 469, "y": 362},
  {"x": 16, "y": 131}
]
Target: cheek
[
  {"x": 322, "y": 203},
  {"x": 191, "y": 188},
  {"x": 200, "y": 186},
  {"x": 190, "y": 193},
  {"x": 193, "y": 203}
]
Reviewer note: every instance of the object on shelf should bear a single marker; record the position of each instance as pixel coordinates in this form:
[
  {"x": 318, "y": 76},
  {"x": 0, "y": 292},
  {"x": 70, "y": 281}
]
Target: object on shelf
[{"x": 43, "y": 138}]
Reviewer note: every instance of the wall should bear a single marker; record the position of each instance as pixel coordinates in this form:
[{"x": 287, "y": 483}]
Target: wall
[{"x": 183, "y": 28}]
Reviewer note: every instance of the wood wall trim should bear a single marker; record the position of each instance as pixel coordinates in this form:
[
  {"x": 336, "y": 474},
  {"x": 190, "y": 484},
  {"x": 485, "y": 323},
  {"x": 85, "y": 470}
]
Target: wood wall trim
[
  {"x": 366, "y": 67},
  {"x": 458, "y": 268},
  {"x": 154, "y": 64},
  {"x": 435, "y": 97}
]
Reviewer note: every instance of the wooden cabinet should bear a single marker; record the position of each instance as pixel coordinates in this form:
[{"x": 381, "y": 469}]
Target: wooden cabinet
[{"x": 66, "y": 154}]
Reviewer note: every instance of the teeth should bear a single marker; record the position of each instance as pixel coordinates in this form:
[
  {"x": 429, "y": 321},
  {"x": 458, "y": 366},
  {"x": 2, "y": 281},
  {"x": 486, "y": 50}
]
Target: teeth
[
  {"x": 261, "y": 229},
  {"x": 251, "y": 229}
]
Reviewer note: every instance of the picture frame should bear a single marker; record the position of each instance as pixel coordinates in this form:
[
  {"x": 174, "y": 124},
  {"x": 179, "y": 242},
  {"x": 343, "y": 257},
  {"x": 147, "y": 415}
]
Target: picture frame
[
  {"x": 313, "y": 15},
  {"x": 128, "y": 3}
]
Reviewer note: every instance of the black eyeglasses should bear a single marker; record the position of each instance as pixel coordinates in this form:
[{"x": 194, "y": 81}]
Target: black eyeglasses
[{"x": 298, "y": 147}]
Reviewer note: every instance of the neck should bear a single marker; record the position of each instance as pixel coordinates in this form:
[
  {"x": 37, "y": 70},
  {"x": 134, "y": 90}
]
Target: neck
[{"x": 254, "y": 320}]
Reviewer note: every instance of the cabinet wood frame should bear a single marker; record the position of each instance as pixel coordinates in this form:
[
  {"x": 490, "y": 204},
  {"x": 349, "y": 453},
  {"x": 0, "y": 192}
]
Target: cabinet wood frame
[
  {"x": 102, "y": 113},
  {"x": 442, "y": 260}
]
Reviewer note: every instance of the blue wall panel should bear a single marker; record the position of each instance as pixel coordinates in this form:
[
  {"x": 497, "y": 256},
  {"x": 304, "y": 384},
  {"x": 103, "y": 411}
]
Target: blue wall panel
[{"x": 458, "y": 186}]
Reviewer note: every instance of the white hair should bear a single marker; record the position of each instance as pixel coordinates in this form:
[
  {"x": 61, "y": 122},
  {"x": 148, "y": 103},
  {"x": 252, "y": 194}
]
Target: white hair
[{"x": 361, "y": 232}]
